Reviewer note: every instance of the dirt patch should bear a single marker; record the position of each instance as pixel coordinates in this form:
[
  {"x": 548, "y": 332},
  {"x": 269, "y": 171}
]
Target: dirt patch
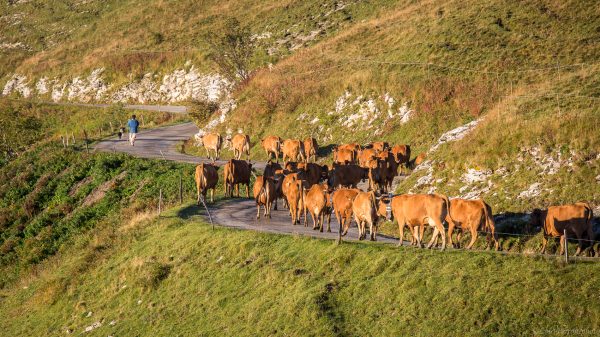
[
  {"x": 101, "y": 190},
  {"x": 77, "y": 187}
]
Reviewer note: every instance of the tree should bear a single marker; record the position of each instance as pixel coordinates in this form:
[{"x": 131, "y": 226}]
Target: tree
[{"x": 231, "y": 48}]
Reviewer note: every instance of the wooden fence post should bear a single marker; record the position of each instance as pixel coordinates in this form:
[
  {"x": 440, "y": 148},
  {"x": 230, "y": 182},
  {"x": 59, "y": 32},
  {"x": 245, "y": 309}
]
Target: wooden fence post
[
  {"x": 159, "y": 200},
  {"x": 566, "y": 247},
  {"x": 180, "y": 189}
]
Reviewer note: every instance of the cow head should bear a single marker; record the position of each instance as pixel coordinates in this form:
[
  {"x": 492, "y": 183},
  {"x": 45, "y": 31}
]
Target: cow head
[
  {"x": 324, "y": 172},
  {"x": 383, "y": 207},
  {"x": 536, "y": 219},
  {"x": 227, "y": 142}
]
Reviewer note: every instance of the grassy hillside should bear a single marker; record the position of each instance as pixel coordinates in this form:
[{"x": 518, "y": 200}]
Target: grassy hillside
[{"x": 176, "y": 276}]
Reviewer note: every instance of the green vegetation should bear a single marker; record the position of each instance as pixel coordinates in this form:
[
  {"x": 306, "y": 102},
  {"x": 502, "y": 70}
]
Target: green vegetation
[{"x": 175, "y": 276}]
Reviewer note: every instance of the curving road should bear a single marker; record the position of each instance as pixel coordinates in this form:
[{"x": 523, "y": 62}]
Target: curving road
[{"x": 161, "y": 143}]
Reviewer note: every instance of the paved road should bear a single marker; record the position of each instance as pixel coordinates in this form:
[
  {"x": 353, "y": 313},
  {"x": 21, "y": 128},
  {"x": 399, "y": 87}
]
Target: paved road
[
  {"x": 160, "y": 143},
  {"x": 238, "y": 213}
]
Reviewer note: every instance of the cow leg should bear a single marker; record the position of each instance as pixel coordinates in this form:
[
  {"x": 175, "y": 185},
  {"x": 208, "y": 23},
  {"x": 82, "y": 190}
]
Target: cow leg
[
  {"x": 275, "y": 201},
  {"x": 198, "y": 201},
  {"x": 257, "y": 210},
  {"x": 314, "y": 219},
  {"x": 459, "y": 237},
  {"x": 401, "y": 230},
  {"x": 563, "y": 242},
  {"x": 579, "y": 244},
  {"x": 473, "y": 236},
  {"x": 544, "y": 243},
  {"x": 328, "y": 221},
  {"x": 372, "y": 230},
  {"x": 450, "y": 232},
  {"x": 433, "y": 237},
  {"x": 248, "y": 190},
  {"x": 212, "y": 195},
  {"x": 321, "y": 221}
]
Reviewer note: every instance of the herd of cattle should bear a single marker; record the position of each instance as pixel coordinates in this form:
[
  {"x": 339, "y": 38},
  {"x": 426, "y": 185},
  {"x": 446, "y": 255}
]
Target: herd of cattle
[{"x": 308, "y": 187}]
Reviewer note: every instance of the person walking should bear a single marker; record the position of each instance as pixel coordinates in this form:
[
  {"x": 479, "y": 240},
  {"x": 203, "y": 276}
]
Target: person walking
[{"x": 133, "y": 125}]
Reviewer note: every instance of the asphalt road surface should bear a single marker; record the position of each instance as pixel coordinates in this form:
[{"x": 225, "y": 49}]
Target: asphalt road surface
[{"x": 161, "y": 143}]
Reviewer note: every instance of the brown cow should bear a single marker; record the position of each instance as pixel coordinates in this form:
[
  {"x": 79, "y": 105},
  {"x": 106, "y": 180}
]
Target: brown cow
[
  {"x": 364, "y": 207},
  {"x": 313, "y": 173},
  {"x": 380, "y": 146},
  {"x": 377, "y": 172},
  {"x": 293, "y": 150},
  {"x": 265, "y": 194},
  {"x": 366, "y": 156},
  {"x": 391, "y": 171},
  {"x": 575, "y": 219},
  {"x": 237, "y": 172},
  {"x": 272, "y": 145},
  {"x": 417, "y": 210},
  {"x": 347, "y": 175},
  {"x": 342, "y": 207},
  {"x": 271, "y": 169},
  {"x": 294, "y": 194},
  {"x": 206, "y": 179},
  {"x": 310, "y": 148},
  {"x": 472, "y": 216},
  {"x": 344, "y": 156},
  {"x": 287, "y": 181},
  {"x": 420, "y": 159},
  {"x": 401, "y": 154},
  {"x": 240, "y": 143},
  {"x": 318, "y": 204},
  {"x": 211, "y": 141}
]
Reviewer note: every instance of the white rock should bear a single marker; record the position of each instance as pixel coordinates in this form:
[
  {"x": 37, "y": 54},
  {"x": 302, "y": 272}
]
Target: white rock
[
  {"x": 534, "y": 190},
  {"x": 95, "y": 325},
  {"x": 455, "y": 134}
]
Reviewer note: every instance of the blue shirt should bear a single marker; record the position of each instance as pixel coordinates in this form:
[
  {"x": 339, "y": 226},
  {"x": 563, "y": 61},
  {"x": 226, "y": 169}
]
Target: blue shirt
[{"x": 133, "y": 125}]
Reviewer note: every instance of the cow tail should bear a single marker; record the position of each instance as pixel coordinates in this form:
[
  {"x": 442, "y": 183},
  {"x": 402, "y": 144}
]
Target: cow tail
[
  {"x": 448, "y": 215},
  {"x": 302, "y": 198}
]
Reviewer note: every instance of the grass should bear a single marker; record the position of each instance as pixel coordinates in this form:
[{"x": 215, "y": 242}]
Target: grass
[{"x": 169, "y": 276}]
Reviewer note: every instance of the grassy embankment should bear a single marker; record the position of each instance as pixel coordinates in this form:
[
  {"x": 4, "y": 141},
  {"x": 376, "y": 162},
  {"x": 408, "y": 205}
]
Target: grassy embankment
[{"x": 174, "y": 275}]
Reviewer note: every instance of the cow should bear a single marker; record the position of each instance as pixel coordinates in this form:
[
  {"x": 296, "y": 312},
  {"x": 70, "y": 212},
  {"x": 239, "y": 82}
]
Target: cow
[
  {"x": 472, "y": 216},
  {"x": 354, "y": 147},
  {"x": 206, "y": 177},
  {"x": 401, "y": 154},
  {"x": 341, "y": 201},
  {"x": 391, "y": 170},
  {"x": 271, "y": 169},
  {"x": 265, "y": 194},
  {"x": 575, "y": 219},
  {"x": 287, "y": 181},
  {"x": 365, "y": 156},
  {"x": 380, "y": 146},
  {"x": 237, "y": 172},
  {"x": 377, "y": 173},
  {"x": 364, "y": 208},
  {"x": 272, "y": 146},
  {"x": 211, "y": 142},
  {"x": 313, "y": 172},
  {"x": 294, "y": 194},
  {"x": 419, "y": 159},
  {"x": 318, "y": 203},
  {"x": 293, "y": 150},
  {"x": 344, "y": 156},
  {"x": 418, "y": 210},
  {"x": 346, "y": 175},
  {"x": 240, "y": 144},
  {"x": 292, "y": 166},
  {"x": 310, "y": 148}
]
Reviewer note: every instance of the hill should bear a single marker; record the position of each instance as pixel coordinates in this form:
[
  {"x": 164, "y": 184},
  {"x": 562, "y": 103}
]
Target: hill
[{"x": 176, "y": 276}]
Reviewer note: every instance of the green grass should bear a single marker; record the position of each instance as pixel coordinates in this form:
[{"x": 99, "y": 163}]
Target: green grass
[{"x": 176, "y": 276}]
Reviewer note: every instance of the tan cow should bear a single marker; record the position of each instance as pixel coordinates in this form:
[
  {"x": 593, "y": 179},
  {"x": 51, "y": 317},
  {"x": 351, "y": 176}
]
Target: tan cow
[
  {"x": 211, "y": 142},
  {"x": 420, "y": 159},
  {"x": 380, "y": 146},
  {"x": 355, "y": 147},
  {"x": 265, "y": 194},
  {"x": 310, "y": 149},
  {"x": 206, "y": 179},
  {"x": 472, "y": 216},
  {"x": 342, "y": 207},
  {"x": 318, "y": 204},
  {"x": 237, "y": 172},
  {"x": 272, "y": 146},
  {"x": 347, "y": 175},
  {"x": 294, "y": 194},
  {"x": 344, "y": 156},
  {"x": 364, "y": 208},
  {"x": 240, "y": 144},
  {"x": 401, "y": 155},
  {"x": 287, "y": 181},
  {"x": 418, "y": 210},
  {"x": 293, "y": 150},
  {"x": 576, "y": 219},
  {"x": 313, "y": 172},
  {"x": 366, "y": 156}
]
